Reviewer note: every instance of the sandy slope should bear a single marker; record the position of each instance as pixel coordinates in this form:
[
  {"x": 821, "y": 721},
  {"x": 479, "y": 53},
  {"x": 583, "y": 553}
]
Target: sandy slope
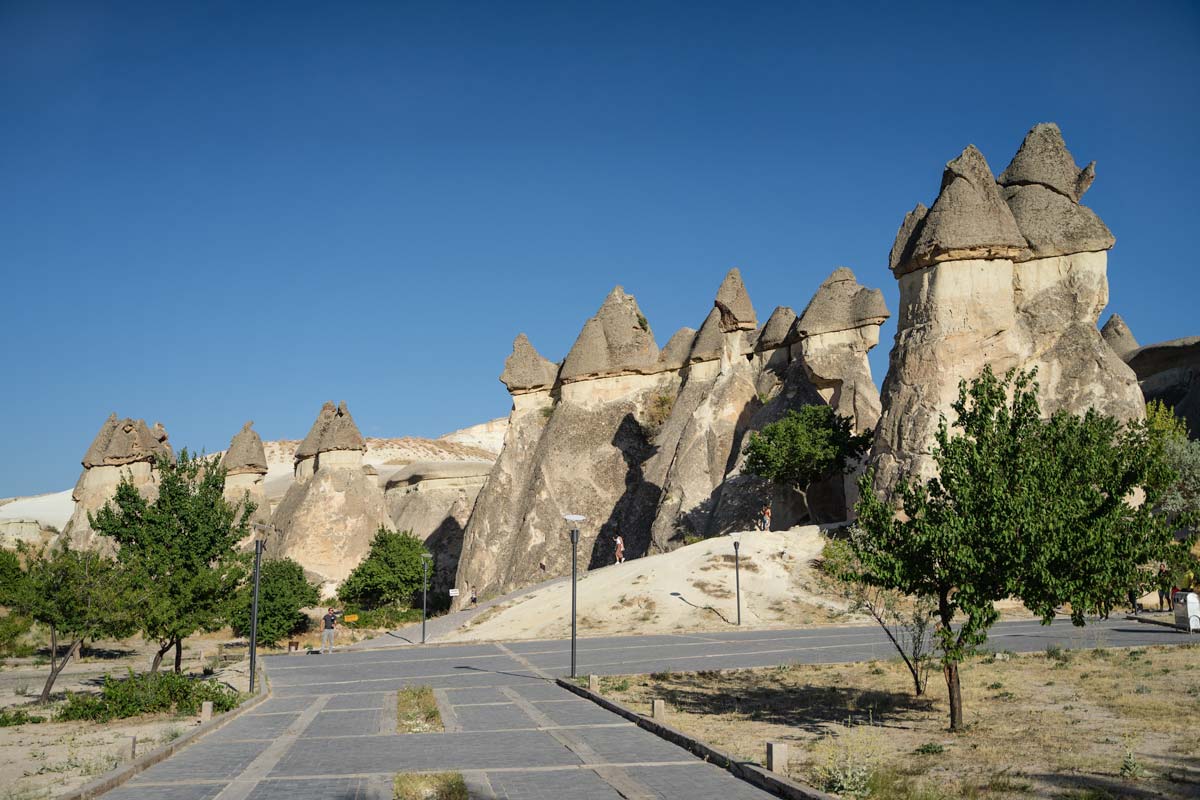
[
  {"x": 691, "y": 588},
  {"x": 48, "y": 509}
]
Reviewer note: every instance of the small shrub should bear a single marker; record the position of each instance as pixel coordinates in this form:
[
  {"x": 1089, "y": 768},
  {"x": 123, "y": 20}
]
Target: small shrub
[
  {"x": 151, "y": 693},
  {"x": 930, "y": 749},
  {"x": 1141, "y": 689},
  {"x": 657, "y": 414},
  {"x": 995, "y": 686},
  {"x": 1131, "y": 768},
  {"x": 18, "y": 716},
  {"x": 1056, "y": 653}
]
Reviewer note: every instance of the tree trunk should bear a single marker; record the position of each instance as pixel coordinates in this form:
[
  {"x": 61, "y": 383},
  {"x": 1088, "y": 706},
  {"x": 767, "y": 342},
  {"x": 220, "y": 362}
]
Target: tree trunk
[
  {"x": 55, "y": 669},
  {"x": 955, "y": 690},
  {"x": 158, "y": 657},
  {"x": 178, "y": 655}
]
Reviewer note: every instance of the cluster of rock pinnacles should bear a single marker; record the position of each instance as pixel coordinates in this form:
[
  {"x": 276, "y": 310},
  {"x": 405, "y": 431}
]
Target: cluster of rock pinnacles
[{"x": 647, "y": 442}]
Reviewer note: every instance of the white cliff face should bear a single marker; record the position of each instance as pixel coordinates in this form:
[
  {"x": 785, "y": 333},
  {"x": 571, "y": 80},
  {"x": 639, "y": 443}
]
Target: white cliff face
[{"x": 1016, "y": 307}]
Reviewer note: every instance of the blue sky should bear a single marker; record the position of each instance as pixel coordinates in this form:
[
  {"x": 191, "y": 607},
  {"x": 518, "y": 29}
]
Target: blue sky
[{"x": 215, "y": 212}]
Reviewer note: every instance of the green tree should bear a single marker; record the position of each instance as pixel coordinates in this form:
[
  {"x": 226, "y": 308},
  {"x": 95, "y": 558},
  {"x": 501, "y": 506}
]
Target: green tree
[
  {"x": 77, "y": 595},
  {"x": 283, "y": 591},
  {"x": 1044, "y": 511},
  {"x": 13, "y": 625},
  {"x": 805, "y": 446},
  {"x": 181, "y": 548},
  {"x": 389, "y": 575}
]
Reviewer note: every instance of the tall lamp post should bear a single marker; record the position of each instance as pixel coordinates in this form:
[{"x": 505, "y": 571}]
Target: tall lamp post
[
  {"x": 425, "y": 559},
  {"x": 574, "y": 519},
  {"x": 737, "y": 574},
  {"x": 258, "y": 551}
]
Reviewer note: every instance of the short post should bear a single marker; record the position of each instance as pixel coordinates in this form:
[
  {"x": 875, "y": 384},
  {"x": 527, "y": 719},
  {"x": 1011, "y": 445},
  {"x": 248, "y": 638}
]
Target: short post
[
  {"x": 737, "y": 574},
  {"x": 293, "y": 646},
  {"x": 658, "y": 710},
  {"x": 206, "y": 711},
  {"x": 777, "y": 757},
  {"x": 133, "y": 747},
  {"x": 594, "y": 683}
]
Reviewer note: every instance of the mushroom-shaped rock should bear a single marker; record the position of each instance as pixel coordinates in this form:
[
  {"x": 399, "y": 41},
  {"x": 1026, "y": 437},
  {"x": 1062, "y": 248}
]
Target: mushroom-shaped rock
[
  {"x": 969, "y": 220},
  {"x": 312, "y": 442},
  {"x": 1042, "y": 187},
  {"x": 525, "y": 370},
  {"x": 709, "y": 343},
  {"x": 124, "y": 442},
  {"x": 675, "y": 352},
  {"x": 906, "y": 240},
  {"x": 1118, "y": 336},
  {"x": 616, "y": 341},
  {"x": 245, "y": 453},
  {"x": 737, "y": 312},
  {"x": 778, "y": 332},
  {"x": 1044, "y": 159},
  {"x": 842, "y": 303},
  {"x": 342, "y": 433}
]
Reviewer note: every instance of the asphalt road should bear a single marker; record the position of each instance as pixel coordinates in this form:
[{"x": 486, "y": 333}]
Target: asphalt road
[{"x": 328, "y": 730}]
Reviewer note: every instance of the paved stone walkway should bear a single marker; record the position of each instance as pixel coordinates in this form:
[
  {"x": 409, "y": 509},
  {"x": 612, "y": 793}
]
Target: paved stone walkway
[{"x": 327, "y": 733}]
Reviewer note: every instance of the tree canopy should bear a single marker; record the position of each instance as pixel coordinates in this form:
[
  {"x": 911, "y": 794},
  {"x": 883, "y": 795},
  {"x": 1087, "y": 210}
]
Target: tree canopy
[
  {"x": 283, "y": 591},
  {"x": 391, "y": 574},
  {"x": 1049, "y": 511},
  {"x": 181, "y": 548}
]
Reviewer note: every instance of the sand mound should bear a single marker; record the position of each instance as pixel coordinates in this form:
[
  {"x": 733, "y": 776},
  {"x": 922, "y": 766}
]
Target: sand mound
[{"x": 691, "y": 588}]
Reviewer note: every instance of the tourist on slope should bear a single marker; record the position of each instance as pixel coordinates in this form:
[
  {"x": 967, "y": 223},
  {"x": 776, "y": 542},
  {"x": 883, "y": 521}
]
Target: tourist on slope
[
  {"x": 620, "y": 543},
  {"x": 329, "y": 632}
]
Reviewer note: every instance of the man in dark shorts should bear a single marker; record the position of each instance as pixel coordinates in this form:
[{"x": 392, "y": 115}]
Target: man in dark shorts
[{"x": 328, "y": 632}]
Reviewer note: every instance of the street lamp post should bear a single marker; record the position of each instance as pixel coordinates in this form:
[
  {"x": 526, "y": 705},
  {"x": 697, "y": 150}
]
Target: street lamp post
[
  {"x": 737, "y": 574},
  {"x": 425, "y": 559},
  {"x": 258, "y": 551},
  {"x": 574, "y": 519}
]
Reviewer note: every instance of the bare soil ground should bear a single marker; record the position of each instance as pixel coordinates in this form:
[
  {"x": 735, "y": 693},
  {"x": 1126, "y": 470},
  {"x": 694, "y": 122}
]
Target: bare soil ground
[{"x": 1095, "y": 724}]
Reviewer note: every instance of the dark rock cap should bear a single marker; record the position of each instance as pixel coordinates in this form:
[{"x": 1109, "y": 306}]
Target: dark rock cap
[
  {"x": 675, "y": 352},
  {"x": 616, "y": 341},
  {"x": 312, "y": 442},
  {"x": 126, "y": 441},
  {"x": 842, "y": 303},
  {"x": 1044, "y": 159},
  {"x": 778, "y": 332},
  {"x": 245, "y": 453},
  {"x": 342, "y": 433},
  {"x": 737, "y": 312},
  {"x": 1118, "y": 336},
  {"x": 525, "y": 369},
  {"x": 1042, "y": 187},
  {"x": 969, "y": 220}
]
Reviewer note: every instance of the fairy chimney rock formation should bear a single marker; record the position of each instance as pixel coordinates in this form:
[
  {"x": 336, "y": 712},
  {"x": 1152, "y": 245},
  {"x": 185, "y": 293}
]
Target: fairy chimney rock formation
[
  {"x": 778, "y": 331},
  {"x": 733, "y": 301},
  {"x": 123, "y": 448},
  {"x": 1118, "y": 336},
  {"x": 1011, "y": 273},
  {"x": 617, "y": 341},
  {"x": 330, "y": 514},
  {"x": 525, "y": 370},
  {"x": 245, "y": 464}
]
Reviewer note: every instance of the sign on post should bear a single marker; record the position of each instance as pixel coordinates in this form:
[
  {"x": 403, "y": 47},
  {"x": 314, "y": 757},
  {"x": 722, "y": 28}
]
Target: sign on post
[{"x": 454, "y": 592}]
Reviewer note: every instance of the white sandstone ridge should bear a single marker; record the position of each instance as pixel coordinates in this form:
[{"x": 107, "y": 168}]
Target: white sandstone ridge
[
  {"x": 646, "y": 442},
  {"x": 688, "y": 589},
  {"x": 1008, "y": 272}
]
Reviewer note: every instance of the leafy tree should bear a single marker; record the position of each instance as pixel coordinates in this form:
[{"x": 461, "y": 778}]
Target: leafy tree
[
  {"x": 283, "y": 591},
  {"x": 389, "y": 575},
  {"x": 1044, "y": 511},
  {"x": 181, "y": 548},
  {"x": 805, "y": 446},
  {"x": 906, "y": 620},
  {"x": 78, "y": 595},
  {"x": 13, "y": 625}
]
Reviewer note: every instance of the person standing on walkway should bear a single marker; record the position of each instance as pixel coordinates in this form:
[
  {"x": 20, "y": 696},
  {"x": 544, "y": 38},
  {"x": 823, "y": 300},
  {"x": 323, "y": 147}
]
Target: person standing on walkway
[
  {"x": 620, "y": 543},
  {"x": 329, "y": 631}
]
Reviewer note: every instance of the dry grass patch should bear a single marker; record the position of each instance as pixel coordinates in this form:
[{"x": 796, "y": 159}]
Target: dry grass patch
[
  {"x": 430, "y": 786},
  {"x": 1073, "y": 724},
  {"x": 417, "y": 711}
]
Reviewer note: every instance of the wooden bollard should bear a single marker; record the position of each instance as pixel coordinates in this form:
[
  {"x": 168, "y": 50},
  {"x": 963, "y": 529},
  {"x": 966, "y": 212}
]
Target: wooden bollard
[
  {"x": 133, "y": 747},
  {"x": 206, "y": 711},
  {"x": 777, "y": 757},
  {"x": 658, "y": 710},
  {"x": 594, "y": 683}
]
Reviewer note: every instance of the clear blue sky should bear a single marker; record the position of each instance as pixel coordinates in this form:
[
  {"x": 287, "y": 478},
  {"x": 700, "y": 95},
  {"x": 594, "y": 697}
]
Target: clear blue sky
[{"x": 215, "y": 212}]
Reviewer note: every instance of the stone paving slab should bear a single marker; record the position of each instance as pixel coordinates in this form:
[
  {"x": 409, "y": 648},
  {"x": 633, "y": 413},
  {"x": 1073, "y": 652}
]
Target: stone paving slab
[
  {"x": 422, "y": 753},
  {"x": 630, "y": 744},
  {"x": 492, "y": 718},
  {"x": 364, "y": 700},
  {"x": 695, "y": 781},
  {"x": 131, "y": 791},
  {"x": 277, "y": 705},
  {"x": 575, "y": 784},
  {"x": 211, "y": 758},
  {"x": 489, "y": 694},
  {"x": 258, "y": 726},
  {"x": 583, "y": 712},
  {"x": 344, "y": 723},
  {"x": 320, "y": 789}
]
